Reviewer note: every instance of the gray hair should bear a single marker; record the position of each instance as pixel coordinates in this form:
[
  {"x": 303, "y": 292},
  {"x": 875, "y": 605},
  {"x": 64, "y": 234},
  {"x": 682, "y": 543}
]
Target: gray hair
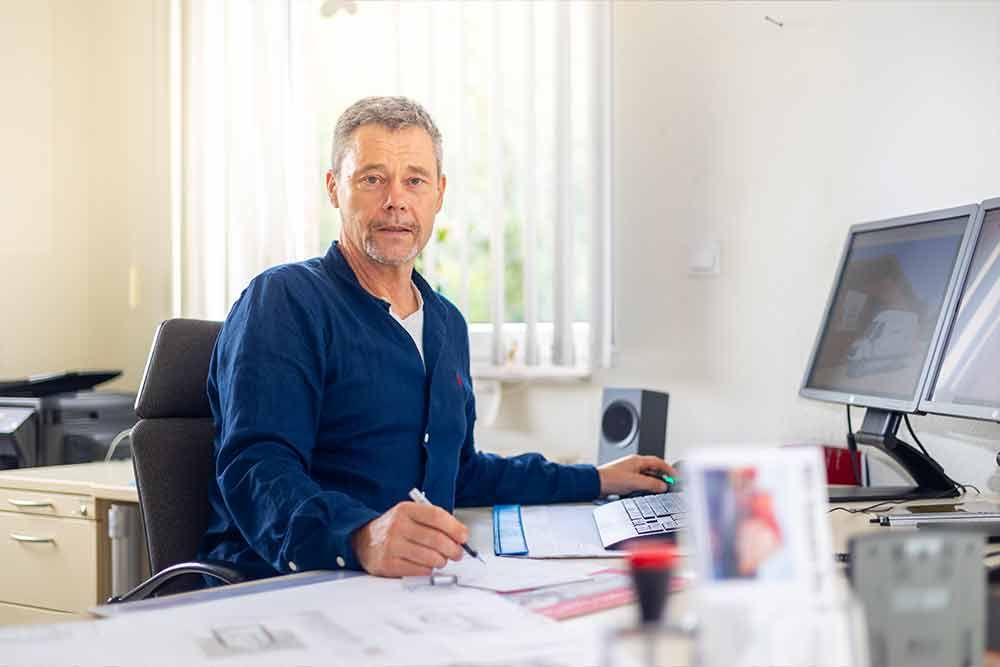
[{"x": 394, "y": 113}]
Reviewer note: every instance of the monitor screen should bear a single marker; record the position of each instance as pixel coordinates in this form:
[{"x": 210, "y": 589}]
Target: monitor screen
[
  {"x": 885, "y": 311},
  {"x": 969, "y": 368}
]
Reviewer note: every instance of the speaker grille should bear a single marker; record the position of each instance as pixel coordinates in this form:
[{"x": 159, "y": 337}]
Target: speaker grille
[{"x": 619, "y": 424}]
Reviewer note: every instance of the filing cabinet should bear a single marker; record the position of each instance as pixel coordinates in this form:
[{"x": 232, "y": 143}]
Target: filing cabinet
[{"x": 55, "y": 554}]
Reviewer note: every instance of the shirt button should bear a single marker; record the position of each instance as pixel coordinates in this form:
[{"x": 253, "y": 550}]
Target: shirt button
[
  {"x": 341, "y": 562},
  {"x": 427, "y": 438},
  {"x": 292, "y": 566}
]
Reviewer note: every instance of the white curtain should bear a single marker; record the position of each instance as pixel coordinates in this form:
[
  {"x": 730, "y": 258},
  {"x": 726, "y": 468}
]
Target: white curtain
[
  {"x": 522, "y": 94},
  {"x": 246, "y": 193}
]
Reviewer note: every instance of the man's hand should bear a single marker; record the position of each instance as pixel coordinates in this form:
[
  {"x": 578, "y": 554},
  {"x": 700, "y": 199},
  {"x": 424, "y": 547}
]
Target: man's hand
[
  {"x": 409, "y": 539},
  {"x": 626, "y": 475}
]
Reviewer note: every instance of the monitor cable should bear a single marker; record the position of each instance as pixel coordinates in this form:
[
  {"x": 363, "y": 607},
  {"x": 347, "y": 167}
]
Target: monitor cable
[
  {"x": 877, "y": 507},
  {"x": 962, "y": 487}
]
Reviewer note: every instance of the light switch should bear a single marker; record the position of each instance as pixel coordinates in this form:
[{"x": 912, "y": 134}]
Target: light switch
[{"x": 705, "y": 259}]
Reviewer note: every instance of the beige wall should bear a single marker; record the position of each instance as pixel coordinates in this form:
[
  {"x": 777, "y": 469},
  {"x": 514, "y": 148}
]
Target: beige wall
[
  {"x": 44, "y": 267},
  {"x": 83, "y": 184},
  {"x": 773, "y": 141}
]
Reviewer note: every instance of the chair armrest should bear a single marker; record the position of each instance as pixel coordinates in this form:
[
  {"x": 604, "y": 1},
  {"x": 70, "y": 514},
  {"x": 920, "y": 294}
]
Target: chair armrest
[{"x": 224, "y": 572}]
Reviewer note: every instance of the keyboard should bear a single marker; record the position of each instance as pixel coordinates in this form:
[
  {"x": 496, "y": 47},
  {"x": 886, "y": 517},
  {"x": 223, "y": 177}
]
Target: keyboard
[{"x": 646, "y": 516}]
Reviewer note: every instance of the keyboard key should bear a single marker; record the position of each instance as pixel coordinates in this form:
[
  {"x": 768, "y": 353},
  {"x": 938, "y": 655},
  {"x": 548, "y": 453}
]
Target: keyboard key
[
  {"x": 647, "y": 512},
  {"x": 675, "y": 502}
]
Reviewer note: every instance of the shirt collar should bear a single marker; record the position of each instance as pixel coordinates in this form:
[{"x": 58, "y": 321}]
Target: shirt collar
[
  {"x": 420, "y": 304},
  {"x": 337, "y": 266}
]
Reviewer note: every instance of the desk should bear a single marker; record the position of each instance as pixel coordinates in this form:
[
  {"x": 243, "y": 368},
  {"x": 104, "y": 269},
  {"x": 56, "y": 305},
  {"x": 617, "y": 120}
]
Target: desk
[
  {"x": 176, "y": 635},
  {"x": 66, "y": 506},
  {"x": 150, "y": 628}
]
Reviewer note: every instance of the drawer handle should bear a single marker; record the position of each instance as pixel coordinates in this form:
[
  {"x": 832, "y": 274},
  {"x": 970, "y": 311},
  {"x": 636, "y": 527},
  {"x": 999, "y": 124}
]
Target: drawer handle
[
  {"x": 31, "y": 539},
  {"x": 28, "y": 504}
]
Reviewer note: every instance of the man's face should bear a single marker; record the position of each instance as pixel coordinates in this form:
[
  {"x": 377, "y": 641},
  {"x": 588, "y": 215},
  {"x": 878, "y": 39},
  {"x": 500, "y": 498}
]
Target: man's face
[{"x": 388, "y": 192}]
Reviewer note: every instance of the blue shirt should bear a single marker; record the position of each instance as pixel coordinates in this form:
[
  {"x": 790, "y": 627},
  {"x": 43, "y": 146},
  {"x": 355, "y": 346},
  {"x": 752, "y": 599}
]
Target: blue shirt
[{"x": 326, "y": 417}]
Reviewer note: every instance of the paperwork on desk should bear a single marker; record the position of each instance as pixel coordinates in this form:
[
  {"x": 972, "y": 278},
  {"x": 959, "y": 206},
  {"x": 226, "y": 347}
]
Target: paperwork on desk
[
  {"x": 505, "y": 575},
  {"x": 563, "y": 531},
  {"x": 360, "y": 621}
]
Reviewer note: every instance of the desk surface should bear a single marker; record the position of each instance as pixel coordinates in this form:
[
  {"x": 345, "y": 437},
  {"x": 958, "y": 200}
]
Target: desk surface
[{"x": 114, "y": 480}]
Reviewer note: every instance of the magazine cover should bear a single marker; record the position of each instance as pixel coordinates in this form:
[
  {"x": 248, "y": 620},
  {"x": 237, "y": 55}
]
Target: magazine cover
[
  {"x": 762, "y": 552},
  {"x": 758, "y": 518}
]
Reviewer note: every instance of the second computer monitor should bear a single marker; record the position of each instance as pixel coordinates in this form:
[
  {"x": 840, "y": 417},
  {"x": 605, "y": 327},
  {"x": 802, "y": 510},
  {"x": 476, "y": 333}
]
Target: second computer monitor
[
  {"x": 965, "y": 383},
  {"x": 886, "y": 310}
]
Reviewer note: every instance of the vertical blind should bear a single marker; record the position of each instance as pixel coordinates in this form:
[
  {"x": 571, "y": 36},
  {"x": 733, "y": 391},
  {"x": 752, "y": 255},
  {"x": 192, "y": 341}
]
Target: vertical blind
[
  {"x": 522, "y": 95},
  {"x": 244, "y": 202}
]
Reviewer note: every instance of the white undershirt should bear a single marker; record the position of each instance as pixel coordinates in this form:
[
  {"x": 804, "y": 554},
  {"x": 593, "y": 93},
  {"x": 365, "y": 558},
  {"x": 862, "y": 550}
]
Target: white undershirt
[{"x": 414, "y": 324}]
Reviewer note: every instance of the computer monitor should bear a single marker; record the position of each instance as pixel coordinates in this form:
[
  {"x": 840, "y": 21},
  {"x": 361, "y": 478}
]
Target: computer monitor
[
  {"x": 963, "y": 381},
  {"x": 894, "y": 285}
]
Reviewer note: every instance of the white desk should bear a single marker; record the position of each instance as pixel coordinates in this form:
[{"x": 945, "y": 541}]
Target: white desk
[{"x": 96, "y": 485}]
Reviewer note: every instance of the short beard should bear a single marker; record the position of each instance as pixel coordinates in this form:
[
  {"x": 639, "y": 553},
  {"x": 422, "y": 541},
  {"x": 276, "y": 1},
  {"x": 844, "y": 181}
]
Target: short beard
[{"x": 373, "y": 252}]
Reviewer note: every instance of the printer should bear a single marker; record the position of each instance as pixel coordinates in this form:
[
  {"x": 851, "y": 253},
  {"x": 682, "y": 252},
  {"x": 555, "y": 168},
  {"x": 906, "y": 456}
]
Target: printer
[{"x": 59, "y": 418}]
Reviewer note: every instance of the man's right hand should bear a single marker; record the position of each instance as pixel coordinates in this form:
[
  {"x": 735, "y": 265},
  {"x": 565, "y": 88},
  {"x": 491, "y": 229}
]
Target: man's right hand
[{"x": 410, "y": 539}]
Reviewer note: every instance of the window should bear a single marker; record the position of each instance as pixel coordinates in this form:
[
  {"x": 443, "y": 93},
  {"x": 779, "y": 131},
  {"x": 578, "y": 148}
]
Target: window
[{"x": 522, "y": 95}]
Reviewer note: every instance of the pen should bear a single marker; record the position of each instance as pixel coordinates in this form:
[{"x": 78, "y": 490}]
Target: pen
[{"x": 418, "y": 497}]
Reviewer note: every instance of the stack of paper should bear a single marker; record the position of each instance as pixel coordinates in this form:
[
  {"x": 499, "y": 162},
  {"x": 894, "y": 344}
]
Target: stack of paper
[
  {"x": 361, "y": 621},
  {"x": 508, "y": 574}
]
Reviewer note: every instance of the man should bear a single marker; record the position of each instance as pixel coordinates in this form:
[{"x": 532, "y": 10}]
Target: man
[{"x": 340, "y": 383}]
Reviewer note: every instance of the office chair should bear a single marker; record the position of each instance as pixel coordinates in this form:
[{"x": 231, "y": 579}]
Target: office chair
[{"x": 173, "y": 456}]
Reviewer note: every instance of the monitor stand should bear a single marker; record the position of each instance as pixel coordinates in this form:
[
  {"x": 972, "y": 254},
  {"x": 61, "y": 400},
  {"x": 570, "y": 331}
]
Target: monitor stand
[{"x": 879, "y": 430}]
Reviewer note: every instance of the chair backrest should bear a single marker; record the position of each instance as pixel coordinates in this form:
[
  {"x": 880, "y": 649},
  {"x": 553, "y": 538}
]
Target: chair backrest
[{"x": 172, "y": 444}]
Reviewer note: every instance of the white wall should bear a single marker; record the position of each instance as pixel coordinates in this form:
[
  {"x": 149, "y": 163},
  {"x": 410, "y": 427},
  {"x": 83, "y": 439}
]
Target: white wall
[
  {"x": 82, "y": 184},
  {"x": 773, "y": 140}
]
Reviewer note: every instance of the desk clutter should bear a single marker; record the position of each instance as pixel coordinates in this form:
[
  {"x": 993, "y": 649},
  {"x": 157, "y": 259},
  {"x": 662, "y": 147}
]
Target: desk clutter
[{"x": 752, "y": 582}]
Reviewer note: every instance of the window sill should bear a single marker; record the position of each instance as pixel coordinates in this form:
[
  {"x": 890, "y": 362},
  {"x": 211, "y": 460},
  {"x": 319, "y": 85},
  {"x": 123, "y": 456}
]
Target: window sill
[{"x": 519, "y": 373}]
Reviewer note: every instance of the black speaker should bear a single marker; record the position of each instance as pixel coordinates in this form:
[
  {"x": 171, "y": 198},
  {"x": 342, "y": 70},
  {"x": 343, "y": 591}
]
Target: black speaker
[{"x": 633, "y": 421}]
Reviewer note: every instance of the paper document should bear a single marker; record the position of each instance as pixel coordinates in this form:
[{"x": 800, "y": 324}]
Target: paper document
[
  {"x": 217, "y": 593},
  {"x": 362, "y": 621},
  {"x": 606, "y": 589},
  {"x": 508, "y": 574},
  {"x": 563, "y": 531}
]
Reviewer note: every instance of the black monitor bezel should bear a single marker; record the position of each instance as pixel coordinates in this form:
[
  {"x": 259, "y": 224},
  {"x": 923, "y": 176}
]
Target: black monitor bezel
[
  {"x": 910, "y": 405},
  {"x": 948, "y": 408}
]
